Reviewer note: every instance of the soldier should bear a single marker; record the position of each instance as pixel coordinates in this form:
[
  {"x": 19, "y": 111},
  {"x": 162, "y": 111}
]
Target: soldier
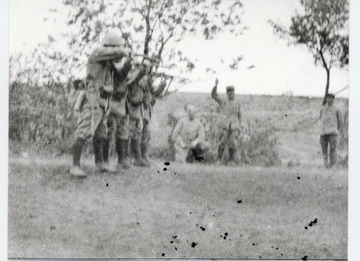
[
  {"x": 331, "y": 124},
  {"x": 134, "y": 103},
  {"x": 151, "y": 93},
  {"x": 101, "y": 65},
  {"x": 118, "y": 120},
  {"x": 188, "y": 135},
  {"x": 232, "y": 115}
]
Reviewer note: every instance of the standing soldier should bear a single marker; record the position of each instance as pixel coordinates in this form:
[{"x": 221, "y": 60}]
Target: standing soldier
[
  {"x": 151, "y": 93},
  {"x": 95, "y": 103},
  {"x": 118, "y": 120},
  {"x": 331, "y": 124},
  {"x": 134, "y": 102},
  {"x": 232, "y": 115}
]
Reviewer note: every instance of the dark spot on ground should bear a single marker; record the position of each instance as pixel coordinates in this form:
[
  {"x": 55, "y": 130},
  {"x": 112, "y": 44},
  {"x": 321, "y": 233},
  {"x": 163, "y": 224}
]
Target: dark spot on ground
[
  {"x": 174, "y": 236},
  {"x": 171, "y": 242},
  {"x": 137, "y": 223},
  {"x": 298, "y": 177},
  {"x": 107, "y": 184},
  {"x": 253, "y": 244},
  {"x": 285, "y": 115},
  {"x": 221, "y": 236},
  {"x": 163, "y": 254},
  {"x": 277, "y": 248},
  {"x": 239, "y": 201},
  {"x": 281, "y": 254},
  {"x": 306, "y": 227},
  {"x": 175, "y": 174},
  {"x": 167, "y": 163},
  {"x": 224, "y": 237},
  {"x": 197, "y": 225},
  {"x": 165, "y": 169},
  {"x": 52, "y": 227},
  {"x": 202, "y": 228},
  {"x": 175, "y": 248},
  {"x": 190, "y": 213},
  {"x": 193, "y": 244},
  {"x": 304, "y": 258},
  {"x": 158, "y": 172},
  {"x": 226, "y": 234}
]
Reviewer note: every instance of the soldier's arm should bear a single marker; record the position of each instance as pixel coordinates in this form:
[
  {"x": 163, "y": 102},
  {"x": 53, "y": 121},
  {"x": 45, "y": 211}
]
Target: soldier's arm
[
  {"x": 240, "y": 113},
  {"x": 122, "y": 72},
  {"x": 136, "y": 77},
  {"x": 214, "y": 94},
  {"x": 339, "y": 119}
]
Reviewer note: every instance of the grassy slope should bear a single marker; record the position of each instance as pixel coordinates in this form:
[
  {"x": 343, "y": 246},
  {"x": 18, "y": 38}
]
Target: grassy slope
[{"x": 135, "y": 214}]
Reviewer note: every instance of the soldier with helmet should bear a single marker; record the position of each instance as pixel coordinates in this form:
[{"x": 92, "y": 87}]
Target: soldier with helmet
[
  {"x": 101, "y": 66},
  {"x": 232, "y": 116}
]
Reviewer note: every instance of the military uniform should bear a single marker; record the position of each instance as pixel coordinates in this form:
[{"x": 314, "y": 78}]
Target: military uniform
[
  {"x": 188, "y": 135},
  {"x": 118, "y": 120},
  {"x": 95, "y": 104},
  {"x": 230, "y": 124}
]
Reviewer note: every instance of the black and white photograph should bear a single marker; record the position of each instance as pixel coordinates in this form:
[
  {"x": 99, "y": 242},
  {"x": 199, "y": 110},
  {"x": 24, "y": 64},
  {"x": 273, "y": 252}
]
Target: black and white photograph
[{"x": 178, "y": 129}]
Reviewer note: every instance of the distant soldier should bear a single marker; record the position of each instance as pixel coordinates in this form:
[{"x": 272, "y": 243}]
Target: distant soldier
[
  {"x": 95, "y": 103},
  {"x": 151, "y": 93},
  {"x": 331, "y": 124},
  {"x": 231, "y": 119},
  {"x": 188, "y": 135}
]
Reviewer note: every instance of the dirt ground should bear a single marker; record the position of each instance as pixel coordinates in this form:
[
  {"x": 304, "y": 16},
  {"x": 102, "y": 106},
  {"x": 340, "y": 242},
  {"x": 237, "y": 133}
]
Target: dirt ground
[{"x": 176, "y": 211}]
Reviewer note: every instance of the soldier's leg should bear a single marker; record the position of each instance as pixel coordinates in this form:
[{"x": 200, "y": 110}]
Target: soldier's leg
[
  {"x": 122, "y": 136},
  {"x": 180, "y": 153},
  {"x": 324, "y": 142},
  {"x": 145, "y": 138},
  {"x": 333, "y": 145},
  {"x": 222, "y": 144},
  {"x": 233, "y": 145},
  {"x": 82, "y": 133},
  {"x": 112, "y": 127},
  {"x": 135, "y": 143},
  {"x": 100, "y": 135}
]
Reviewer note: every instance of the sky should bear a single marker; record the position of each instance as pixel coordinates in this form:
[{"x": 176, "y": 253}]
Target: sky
[{"x": 278, "y": 68}]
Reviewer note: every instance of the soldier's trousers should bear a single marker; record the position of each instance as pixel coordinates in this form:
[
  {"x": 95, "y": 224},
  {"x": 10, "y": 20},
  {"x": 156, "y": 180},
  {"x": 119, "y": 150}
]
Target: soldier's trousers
[
  {"x": 118, "y": 126},
  {"x": 135, "y": 128},
  {"x": 91, "y": 123},
  {"x": 328, "y": 146},
  {"x": 146, "y": 134},
  {"x": 229, "y": 137}
]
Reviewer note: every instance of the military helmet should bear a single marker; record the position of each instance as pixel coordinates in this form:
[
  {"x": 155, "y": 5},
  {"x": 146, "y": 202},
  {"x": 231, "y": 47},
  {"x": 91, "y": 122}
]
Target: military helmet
[
  {"x": 112, "y": 39},
  {"x": 230, "y": 88}
]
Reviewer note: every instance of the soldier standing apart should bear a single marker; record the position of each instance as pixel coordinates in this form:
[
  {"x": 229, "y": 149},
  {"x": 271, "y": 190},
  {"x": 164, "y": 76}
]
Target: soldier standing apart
[
  {"x": 188, "y": 134},
  {"x": 151, "y": 93},
  {"x": 232, "y": 115},
  {"x": 95, "y": 102},
  {"x": 331, "y": 124}
]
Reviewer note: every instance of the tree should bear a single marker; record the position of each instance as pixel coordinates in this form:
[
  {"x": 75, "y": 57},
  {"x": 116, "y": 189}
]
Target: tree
[
  {"x": 322, "y": 26},
  {"x": 150, "y": 27}
]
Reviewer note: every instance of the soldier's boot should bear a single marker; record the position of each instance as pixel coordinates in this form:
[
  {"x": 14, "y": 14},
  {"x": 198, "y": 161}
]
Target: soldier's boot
[
  {"x": 76, "y": 170},
  {"x": 232, "y": 161},
  {"x": 144, "y": 154},
  {"x": 135, "y": 147},
  {"x": 98, "y": 152},
  {"x": 106, "y": 152},
  {"x": 121, "y": 149}
]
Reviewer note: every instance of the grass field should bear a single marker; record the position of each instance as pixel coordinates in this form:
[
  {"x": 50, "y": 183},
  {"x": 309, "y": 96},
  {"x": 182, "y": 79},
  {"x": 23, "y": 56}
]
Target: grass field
[
  {"x": 183, "y": 211},
  {"x": 187, "y": 210}
]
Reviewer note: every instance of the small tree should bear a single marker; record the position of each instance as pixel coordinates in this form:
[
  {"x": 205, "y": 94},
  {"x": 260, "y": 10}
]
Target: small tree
[
  {"x": 150, "y": 27},
  {"x": 322, "y": 26}
]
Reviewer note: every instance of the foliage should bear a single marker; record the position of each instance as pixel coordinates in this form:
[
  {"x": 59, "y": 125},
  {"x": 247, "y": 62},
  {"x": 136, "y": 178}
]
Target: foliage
[{"x": 322, "y": 26}]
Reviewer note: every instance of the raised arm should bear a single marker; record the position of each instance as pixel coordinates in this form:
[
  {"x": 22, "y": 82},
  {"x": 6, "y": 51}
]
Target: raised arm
[{"x": 214, "y": 94}]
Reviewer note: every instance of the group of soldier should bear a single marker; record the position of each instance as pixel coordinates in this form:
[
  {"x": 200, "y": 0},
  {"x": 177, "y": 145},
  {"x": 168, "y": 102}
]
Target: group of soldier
[{"x": 117, "y": 100}]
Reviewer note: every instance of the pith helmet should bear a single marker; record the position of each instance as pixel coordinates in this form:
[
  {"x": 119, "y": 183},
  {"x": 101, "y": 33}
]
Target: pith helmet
[
  {"x": 112, "y": 39},
  {"x": 230, "y": 88}
]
